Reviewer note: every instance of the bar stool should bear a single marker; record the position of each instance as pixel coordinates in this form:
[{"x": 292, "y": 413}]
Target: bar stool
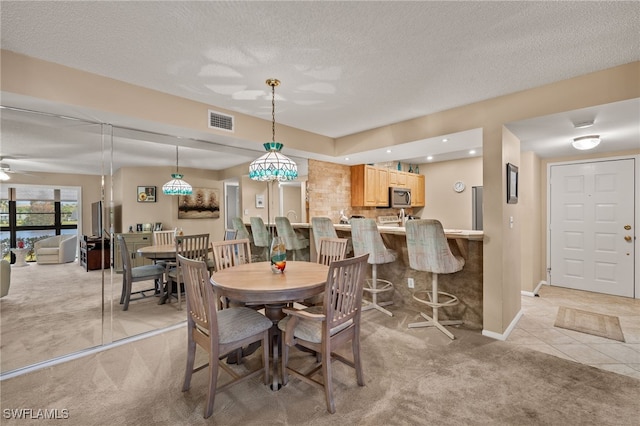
[
  {"x": 261, "y": 236},
  {"x": 292, "y": 241},
  {"x": 429, "y": 251},
  {"x": 323, "y": 227},
  {"x": 241, "y": 229},
  {"x": 367, "y": 239}
]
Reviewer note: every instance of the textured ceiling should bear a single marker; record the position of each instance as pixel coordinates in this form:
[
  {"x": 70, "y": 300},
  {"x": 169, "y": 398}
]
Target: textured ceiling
[{"x": 344, "y": 66}]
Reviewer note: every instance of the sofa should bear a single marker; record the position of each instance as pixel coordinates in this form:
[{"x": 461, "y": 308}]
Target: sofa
[
  {"x": 5, "y": 277},
  {"x": 58, "y": 249}
]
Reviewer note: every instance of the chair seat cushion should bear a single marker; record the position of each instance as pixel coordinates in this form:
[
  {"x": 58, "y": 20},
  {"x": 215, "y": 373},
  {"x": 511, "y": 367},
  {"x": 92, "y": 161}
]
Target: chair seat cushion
[
  {"x": 43, "y": 251},
  {"x": 311, "y": 330},
  {"x": 238, "y": 323},
  {"x": 146, "y": 271}
]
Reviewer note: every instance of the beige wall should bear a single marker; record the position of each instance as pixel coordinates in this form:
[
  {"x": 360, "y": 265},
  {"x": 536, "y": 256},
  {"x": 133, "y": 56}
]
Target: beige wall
[
  {"x": 165, "y": 209},
  {"x": 531, "y": 217},
  {"x": 451, "y": 208}
]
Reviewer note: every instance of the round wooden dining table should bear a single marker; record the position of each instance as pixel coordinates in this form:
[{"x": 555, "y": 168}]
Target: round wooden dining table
[
  {"x": 158, "y": 252},
  {"x": 255, "y": 283}
]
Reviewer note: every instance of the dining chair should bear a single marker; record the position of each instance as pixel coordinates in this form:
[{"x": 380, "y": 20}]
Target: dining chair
[
  {"x": 330, "y": 250},
  {"x": 135, "y": 274},
  {"x": 218, "y": 332},
  {"x": 367, "y": 239},
  {"x": 429, "y": 251},
  {"x": 192, "y": 247},
  {"x": 293, "y": 242},
  {"x": 230, "y": 253},
  {"x": 322, "y": 329},
  {"x": 163, "y": 237},
  {"x": 261, "y": 237}
]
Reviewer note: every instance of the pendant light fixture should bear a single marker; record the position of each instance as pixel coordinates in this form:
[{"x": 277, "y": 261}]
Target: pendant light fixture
[
  {"x": 273, "y": 165},
  {"x": 176, "y": 186}
]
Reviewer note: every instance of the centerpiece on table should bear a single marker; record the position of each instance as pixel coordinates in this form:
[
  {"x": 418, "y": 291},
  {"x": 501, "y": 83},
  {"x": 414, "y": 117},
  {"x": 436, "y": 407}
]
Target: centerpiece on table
[{"x": 278, "y": 255}]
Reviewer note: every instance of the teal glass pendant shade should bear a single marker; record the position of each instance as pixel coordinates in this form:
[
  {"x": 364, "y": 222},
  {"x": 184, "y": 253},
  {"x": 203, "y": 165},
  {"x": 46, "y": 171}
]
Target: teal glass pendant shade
[
  {"x": 176, "y": 186},
  {"x": 273, "y": 165}
]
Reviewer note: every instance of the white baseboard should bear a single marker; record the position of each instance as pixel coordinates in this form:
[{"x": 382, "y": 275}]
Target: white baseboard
[
  {"x": 535, "y": 291},
  {"x": 507, "y": 332}
]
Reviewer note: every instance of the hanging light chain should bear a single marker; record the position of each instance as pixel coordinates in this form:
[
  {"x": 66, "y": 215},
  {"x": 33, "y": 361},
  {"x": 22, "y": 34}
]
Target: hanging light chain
[
  {"x": 273, "y": 82},
  {"x": 177, "y": 171}
]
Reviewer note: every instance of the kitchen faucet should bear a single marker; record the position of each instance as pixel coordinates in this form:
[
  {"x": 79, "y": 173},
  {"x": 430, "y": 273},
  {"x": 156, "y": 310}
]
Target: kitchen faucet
[{"x": 402, "y": 217}]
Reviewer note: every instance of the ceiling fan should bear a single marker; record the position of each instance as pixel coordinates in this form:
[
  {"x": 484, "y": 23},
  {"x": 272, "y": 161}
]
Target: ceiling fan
[{"x": 6, "y": 170}]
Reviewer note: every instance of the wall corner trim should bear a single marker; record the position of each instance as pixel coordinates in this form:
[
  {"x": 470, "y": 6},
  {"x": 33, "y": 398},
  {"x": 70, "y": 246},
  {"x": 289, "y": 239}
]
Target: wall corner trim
[{"x": 507, "y": 332}]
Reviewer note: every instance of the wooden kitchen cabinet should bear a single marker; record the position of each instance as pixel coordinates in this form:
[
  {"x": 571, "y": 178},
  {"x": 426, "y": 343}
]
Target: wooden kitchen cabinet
[
  {"x": 134, "y": 241},
  {"x": 369, "y": 186},
  {"x": 398, "y": 178},
  {"x": 416, "y": 183}
]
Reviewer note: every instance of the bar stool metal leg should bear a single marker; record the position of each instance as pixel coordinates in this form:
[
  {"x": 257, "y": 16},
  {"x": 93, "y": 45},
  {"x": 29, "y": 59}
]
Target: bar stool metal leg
[
  {"x": 432, "y": 300},
  {"x": 372, "y": 287}
]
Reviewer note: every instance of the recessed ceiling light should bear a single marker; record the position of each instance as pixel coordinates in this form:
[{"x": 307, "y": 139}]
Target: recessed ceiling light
[
  {"x": 430, "y": 157},
  {"x": 346, "y": 158},
  {"x": 445, "y": 140},
  {"x": 388, "y": 151},
  {"x": 473, "y": 151},
  {"x": 583, "y": 124},
  {"x": 586, "y": 142}
]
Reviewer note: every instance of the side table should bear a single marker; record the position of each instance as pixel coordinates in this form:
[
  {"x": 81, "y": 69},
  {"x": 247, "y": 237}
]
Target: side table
[{"x": 21, "y": 256}]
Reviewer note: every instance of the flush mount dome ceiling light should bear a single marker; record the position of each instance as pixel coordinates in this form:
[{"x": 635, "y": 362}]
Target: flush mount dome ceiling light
[{"x": 586, "y": 142}]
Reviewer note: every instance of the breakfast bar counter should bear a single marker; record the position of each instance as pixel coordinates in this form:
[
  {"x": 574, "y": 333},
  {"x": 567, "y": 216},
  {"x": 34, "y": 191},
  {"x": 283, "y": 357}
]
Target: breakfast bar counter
[{"x": 465, "y": 284}]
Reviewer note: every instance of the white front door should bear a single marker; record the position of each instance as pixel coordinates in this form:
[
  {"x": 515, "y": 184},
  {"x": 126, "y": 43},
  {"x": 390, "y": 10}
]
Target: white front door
[{"x": 592, "y": 226}]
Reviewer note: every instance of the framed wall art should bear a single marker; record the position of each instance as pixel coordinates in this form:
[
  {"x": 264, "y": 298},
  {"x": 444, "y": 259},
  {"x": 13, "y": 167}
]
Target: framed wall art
[
  {"x": 146, "y": 194},
  {"x": 259, "y": 201},
  {"x": 512, "y": 184},
  {"x": 203, "y": 203}
]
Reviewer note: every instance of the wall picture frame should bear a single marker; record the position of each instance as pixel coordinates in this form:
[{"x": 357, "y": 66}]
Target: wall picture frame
[
  {"x": 203, "y": 203},
  {"x": 146, "y": 194},
  {"x": 259, "y": 201},
  {"x": 512, "y": 184}
]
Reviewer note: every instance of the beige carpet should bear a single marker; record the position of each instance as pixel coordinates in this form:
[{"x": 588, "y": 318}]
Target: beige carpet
[
  {"x": 607, "y": 326},
  {"x": 412, "y": 377},
  {"x": 55, "y": 310}
]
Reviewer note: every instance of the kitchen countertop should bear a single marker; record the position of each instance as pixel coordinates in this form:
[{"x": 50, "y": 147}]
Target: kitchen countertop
[{"x": 465, "y": 234}]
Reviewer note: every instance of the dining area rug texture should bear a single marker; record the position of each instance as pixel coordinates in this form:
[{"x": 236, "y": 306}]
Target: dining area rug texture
[{"x": 607, "y": 326}]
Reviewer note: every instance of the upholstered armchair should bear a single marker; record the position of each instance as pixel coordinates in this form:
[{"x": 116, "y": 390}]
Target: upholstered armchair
[
  {"x": 5, "y": 277},
  {"x": 58, "y": 249}
]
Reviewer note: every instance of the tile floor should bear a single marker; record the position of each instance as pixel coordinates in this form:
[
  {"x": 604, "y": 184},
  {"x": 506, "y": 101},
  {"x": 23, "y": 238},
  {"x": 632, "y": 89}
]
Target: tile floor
[{"x": 536, "y": 331}]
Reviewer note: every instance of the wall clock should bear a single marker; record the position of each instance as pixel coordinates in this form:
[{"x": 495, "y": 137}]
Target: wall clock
[{"x": 459, "y": 186}]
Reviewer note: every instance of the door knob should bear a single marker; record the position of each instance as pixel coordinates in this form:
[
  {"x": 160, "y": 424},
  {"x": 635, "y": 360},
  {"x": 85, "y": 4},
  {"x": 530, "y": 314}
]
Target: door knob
[
  {"x": 627, "y": 238},
  {"x": 627, "y": 227}
]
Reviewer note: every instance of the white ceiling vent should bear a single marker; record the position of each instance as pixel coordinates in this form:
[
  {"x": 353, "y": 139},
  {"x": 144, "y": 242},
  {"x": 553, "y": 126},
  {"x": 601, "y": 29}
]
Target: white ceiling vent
[{"x": 220, "y": 121}]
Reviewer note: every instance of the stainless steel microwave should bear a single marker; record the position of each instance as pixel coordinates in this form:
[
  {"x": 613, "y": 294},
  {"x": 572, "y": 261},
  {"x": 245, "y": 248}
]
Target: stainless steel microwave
[{"x": 399, "y": 197}]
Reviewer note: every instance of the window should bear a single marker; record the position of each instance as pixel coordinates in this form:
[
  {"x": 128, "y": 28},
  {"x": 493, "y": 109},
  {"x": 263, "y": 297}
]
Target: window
[{"x": 30, "y": 213}]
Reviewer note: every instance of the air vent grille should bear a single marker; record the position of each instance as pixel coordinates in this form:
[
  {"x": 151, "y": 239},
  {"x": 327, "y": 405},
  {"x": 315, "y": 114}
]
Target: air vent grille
[{"x": 220, "y": 121}]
